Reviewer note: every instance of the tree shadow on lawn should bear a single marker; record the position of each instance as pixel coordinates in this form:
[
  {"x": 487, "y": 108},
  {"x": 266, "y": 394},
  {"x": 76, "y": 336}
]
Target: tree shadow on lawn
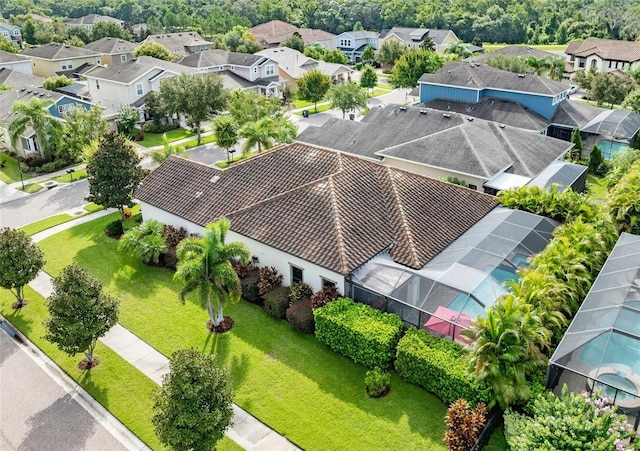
[
  {"x": 19, "y": 318},
  {"x": 219, "y": 346},
  {"x": 86, "y": 379}
]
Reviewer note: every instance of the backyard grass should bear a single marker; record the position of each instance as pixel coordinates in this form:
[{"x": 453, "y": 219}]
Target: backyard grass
[
  {"x": 288, "y": 380},
  {"x": 10, "y": 173},
  {"x": 155, "y": 139},
  {"x": 52, "y": 221},
  {"x": 597, "y": 188}
]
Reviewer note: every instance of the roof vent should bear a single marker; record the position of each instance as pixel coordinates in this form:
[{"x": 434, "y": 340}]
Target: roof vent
[
  {"x": 66, "y": 46},
  {"x": 446, "y": 115},
  {"x": 215, "y": 178},
  {"x": 198, "y": 194},
  {"x": 108, "y": 38},
  {"x": 41, "y": 94},
  {"x": 470, "y": 119},
  {"x": 502, "y": 126},
  {"x": 22, "y": 89},
  {"x": 423, "y": 111},
  {"x": 521, "y": 75},
  {"x": 403, "y": 108}
]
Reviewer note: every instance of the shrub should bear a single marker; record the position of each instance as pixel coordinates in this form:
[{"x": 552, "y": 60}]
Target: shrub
[
  {"x": 300, "y": 316},
  {"x": 276, "y": 302},
  {"x": 438, "y": 365},
  {"x": 299, "y": 291},
  {"x": 358, "y": 65},
  {"x": 324, "y": 296},
  {"x": 173, "y": 235},
  {"x": 377, "y": 382},
  {"x": 464, "y": 425},
  {"x": 243, "y": 270},
  {"x": 47, "y": 168},
  {"x": 358, "y": 331},
  {"x": 270, "y": 279},
  {"x": 250, "y": 290},
  {"x": 114, "y": 229},
  {"x": 132, "y": 222}
]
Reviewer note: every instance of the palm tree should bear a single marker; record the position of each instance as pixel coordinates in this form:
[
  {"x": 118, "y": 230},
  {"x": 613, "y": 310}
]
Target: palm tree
[
  {"x": 35, "y": 113},
  {"x": 161, "y": 155},
  {"x": 204, "y": 263},
  {"x": 266, "y": 132},
  {"x": 145, "y": 241}
]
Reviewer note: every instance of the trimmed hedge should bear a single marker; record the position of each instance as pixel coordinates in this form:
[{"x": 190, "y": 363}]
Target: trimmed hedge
[
  {"x": 358, "y": 331},
  {"x": 439, "y": 366}
]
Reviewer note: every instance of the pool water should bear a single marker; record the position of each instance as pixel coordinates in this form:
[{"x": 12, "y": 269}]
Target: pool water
[
  {"x": 609, "y": 148},
  {"x": 609, "y": 382}
]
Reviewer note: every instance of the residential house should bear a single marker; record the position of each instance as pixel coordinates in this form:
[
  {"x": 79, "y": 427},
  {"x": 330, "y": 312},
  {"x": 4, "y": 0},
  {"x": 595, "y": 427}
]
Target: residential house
[
  {"x": 273, "y": 33},
  {"x": 604, "y": 55},
  {"x": 352, "y": 43},
  {"x": 50, "y": 59},
  {"x": 315, "y": 215},
  {"x": 522, "y": 51},
  {"x": 238, "y": 70},
  {"x": 113, "y": 50},
  {"x": 16, "y": 80},
  {"x": 15, "y": 62},
  {"x": 412, "y": 38},
  {"x": 90, "y": 20},
  {"x": 129, "y": 83},
  {"x": 182, "y": 44},
  {"x": 486, "y": 156},
  {"x": 11, "y": 33},
  {"x": 293, "y": 65}
]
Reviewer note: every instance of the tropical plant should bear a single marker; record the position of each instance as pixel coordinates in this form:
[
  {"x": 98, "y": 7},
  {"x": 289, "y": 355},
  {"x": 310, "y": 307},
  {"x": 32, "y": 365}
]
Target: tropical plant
[
  {"x": 300, "y": 316},
  {"x": 464, "y": 425},
  {"x": 270, "y": 279},
  {"x": 204, "y": 263},
  {"x": 621, "y": 164},
  {"x": 347, "y": 97},
  {"x": 624, "y": 201},
  {"x": 322, "y": 297},
  {"x": 145, "y": 241},
  {"x": 55, "y": 82},
  {"x": 20, "y": 261},
  {"x": 266, "y": 132},
  {"x": 167, "y": 150},
  {"x": 35, "y": 113}
]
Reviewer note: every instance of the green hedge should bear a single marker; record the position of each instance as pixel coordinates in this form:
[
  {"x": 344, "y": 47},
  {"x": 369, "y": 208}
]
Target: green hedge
[
  {"x": 358, "y": 331},
  {"x": 439, "y": 366}
]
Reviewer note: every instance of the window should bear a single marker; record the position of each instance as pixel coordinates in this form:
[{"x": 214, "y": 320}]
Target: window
[
  {"x": 296, "y": 274},
  {"x": 5, "y": 34},
  {"x": 65, "y": 107},
  {"x": 582, "y": 62},
  {"x": 255, "y": 69},
  {"x": 269, "y": 70},
  {"x": 97, "y": 84},
  {"x": 139, "y": 89},
  {"x": 123, "y": 58},
  {"x": 98, "y": 60},
  {"x": 66, "y": 65},
  {"x": 327, "y": 282},
  {"x": 16, "y": 32},
  {"x": 473, "y": 187},
  {"x": 345, "y": 42}
]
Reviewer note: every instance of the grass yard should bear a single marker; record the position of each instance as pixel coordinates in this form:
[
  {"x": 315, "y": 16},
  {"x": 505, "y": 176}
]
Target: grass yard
[
  {"x": 288, "y": 380},
  {"x": 155, "y": 139},
  {"x": 78, "y": 174},
  {"x": 52, "y": 221},
  {"x": 10, "y": 173},
  {"x": 206, "y": 139},
  {"x": 224, "y": 165},
  {"x": 597, "y": 188},
  {"x": 321, "y": 108}
]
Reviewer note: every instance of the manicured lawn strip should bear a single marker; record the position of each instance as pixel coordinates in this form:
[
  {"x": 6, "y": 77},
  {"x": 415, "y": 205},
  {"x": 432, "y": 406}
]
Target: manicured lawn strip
[
  {"x": 288, "y": 380},
  {"x": 597, "y": 188},
  {"x": 51, "y": 221},
  {"x": 155, "y": 139},
  {"x": 194, "y": 142},
  {"x": 11, "y": 171},
  {"x": 223, "y": 164},
  {"x": 378, "y": 92},
  {"x": 78, "y": 174},
  {"x": 32, "y": 188},
  {"x": 302, "y": 104},
  {"x": 384, "y": 86},
  {"x": 321, "y": 108}
]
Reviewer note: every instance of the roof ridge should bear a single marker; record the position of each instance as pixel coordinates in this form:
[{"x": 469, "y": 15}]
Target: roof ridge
[
  {"x": 340, "y": 240},
  {"x": 473, "y": 149},
  {"x": 507, "y": 144}
]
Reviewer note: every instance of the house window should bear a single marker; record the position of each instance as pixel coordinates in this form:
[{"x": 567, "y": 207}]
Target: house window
[
  {"x": 139, "y": 89},
  {"x": 255, "y": 69},
  {"x": 5, "y": 34},
  {"x": 473, "y": 187},
  {"x": 345, "y": 42},
  {"x": 97, "y": 84},
  {"x": 296, "y": 274},
  {"x": 123, "y": 58},
  {"x": 98, "y": 60},
  {"x": 269, "y": 70},
  {"x": 327, "y": 282},
  {"x": 66, "y": 65},
  {"x": 582, "y": 62},
  {"x": 65, "y": 107},
  {"x": 16, "y": 32}
]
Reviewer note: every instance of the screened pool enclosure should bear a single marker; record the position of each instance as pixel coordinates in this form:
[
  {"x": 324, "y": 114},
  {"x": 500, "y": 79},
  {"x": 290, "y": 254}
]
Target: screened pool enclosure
[
  {"x": 601, "y": 349},
  {"x": 460, "y": 281}
]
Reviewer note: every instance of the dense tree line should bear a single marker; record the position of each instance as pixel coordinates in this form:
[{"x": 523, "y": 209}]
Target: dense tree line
[{"x": 511, "y": 21}]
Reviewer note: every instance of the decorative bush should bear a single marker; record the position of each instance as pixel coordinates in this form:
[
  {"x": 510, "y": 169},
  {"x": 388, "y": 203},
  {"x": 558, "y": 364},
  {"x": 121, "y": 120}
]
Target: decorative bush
[
  {"x": 250, "y": 291},
  {"x": 114, "y": 229},
  {"x": 300, "y": 316},
  {"x": 243, "y": 270},
  {"x": 358, "y": 331},
  {"x": 276, "y": 302},
  {"x": 439, "y": 366},
  {"x": 145, "y": 241},
  {"x": 324, "y": 296},
  {"x": 173, "y": 235},
  {"x": 132, "y": 222},
  {"x": 299, "y": 292},
  {"x": 377, "y": 382},
  {"x": 464, "y": 425},
  {"x": 270, "y": 279}
]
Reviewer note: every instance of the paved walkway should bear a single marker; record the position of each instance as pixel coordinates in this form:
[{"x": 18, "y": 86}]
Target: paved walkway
[{"x": 246, "y": 430}]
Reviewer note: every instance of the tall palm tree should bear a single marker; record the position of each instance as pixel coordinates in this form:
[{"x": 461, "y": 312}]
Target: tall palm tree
[
  {"x": 35, "y": 113},
  {"x": 204, "y": 263},
  {"x": 266, "y": 132}
]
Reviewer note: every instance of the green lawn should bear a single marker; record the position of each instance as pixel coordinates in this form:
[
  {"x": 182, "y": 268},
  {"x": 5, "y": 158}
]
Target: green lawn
[
  {"x": 194, "y": 142},
  {"x": 321, "y": 108},
  {"x": 288, "y": 380},
  {"x": 51, "y": 221},
  {"x": 302, "y": 104},
  {"x": 155, "y": 139},
  {"x": 223, "y": 164},
  {"x": 545, "y": 47},
  {"x": 384, "y": 86},
  {"x": 10, "y": 173},
  {"x": 78, "y": 174},
  {"x": 597, "y": 188}
]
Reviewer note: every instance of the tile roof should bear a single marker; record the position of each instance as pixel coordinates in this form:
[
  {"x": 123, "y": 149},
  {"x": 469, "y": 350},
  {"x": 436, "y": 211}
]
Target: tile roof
[
  {"x": 18, "y": 80},
  {"x": 91, "y": 19},
  {"x": 111, "y": 46},
  {"x": 56, "y": 51},
  {"x": 332, "y": 209},
  {"x": 276, "y": 31},
  {"x": 132, "y": 70},
  {"x": 8, "y": 57},
  {"x": 482, "y": 76},
  {"x": 523, "y": 51},
  {"x": 178, "y": 42},
  {"x": 606, "y": 49},
  {"x": 482, "y": 148}
]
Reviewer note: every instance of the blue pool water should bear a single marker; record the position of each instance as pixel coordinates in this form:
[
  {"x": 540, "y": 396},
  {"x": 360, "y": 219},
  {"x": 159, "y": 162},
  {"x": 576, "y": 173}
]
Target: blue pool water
[{"x": 609, "y": 148}]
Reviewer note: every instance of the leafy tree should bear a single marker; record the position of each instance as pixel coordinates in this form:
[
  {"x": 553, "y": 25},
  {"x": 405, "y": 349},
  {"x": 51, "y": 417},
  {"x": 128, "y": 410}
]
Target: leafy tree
[
  {"x": 315, "y": 51},
  {"x": 167, "y": 150},
  {"x": 225, "y": 130},
  {"x": 576, "y": 139},
  {"x": 249, "y": 106},
  {"x": 35, "y": 113},
  {"x": 347, "y": 97},
  {"x": 80, "y": 313},
  {"x": 368, "y": 77},
  {"x": 539, "y": 65},
  {"x": 509, "y": 63},
  {"x": 196, "y": 96},
  {"x": 155, "y": 50},
  {"x": 412, "y": 65},
  {"x": 204, "y": 263},
  {"x": 313, "y": 86},
  {"x": 294, "y": 42},
  {"x": 556, "y": 68},
  {"x": 368, "y": 55},
  {"x": 624, "y": 201},
  {"x": 458, "y": 48},
  {"x": 621, "y": 164},
  {"x": 145, "y": 241},
  {"x": 632, "y": 101},
  {"x": 29, "y": 32},
  {"x": 81, "y": 128},
  {"x": 153, "y": 107},
  {"x": 267, "y": 131},
  {"x": 428, "y": 44},
  {"x": 20, "y": 261},
  {"x": 193, "y": 408},
  {"x": 74, "y": 41},
  {"x": 114, "y": 172},
  {"x": 358, "y": 26},
  {"x": 8, "y": 46},
  {"x": 608, "y": 88},
  {"x": 109, "y": 29},
  {"x": 81, "y": 33},
  {"x": 389, "y": 52},
  {"x": 596, "y": 160},
  {"x": 584, "y": 78},
  {"x": 127, "y": 120},
  {"x": 335, "y": 56}
]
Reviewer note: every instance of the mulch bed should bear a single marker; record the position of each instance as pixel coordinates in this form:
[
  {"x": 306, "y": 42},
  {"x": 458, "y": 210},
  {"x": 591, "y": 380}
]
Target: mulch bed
[
  {"x": 110, "y": 235},
  {"x": 17, "y": 306},
  {"x": 225, "y": 326},
  {"x": 85, "y": 365}
]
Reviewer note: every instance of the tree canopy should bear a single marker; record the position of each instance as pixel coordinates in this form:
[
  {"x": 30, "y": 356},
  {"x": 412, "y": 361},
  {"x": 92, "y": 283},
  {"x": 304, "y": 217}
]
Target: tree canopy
[
  {"x": 35, "y": 113},
  {"x": 389, "y": 52},
  {"x": 412, "y": 65},
  {"x": 368, "y": 77},
  {"x": 81, "y": 128},
  {"x": 313, "y": 86},
  {"x": 155, "y": 50},
  {"x": 347, "y": 97},
  {"x": 20, "y": 261}
]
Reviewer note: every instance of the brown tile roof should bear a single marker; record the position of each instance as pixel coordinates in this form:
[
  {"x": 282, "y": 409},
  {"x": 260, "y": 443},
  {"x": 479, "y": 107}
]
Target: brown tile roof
[
  {"x": 332, "y": 209},
  {"x": 607, "y": 49},
  {"x": 276, "y": 31}
]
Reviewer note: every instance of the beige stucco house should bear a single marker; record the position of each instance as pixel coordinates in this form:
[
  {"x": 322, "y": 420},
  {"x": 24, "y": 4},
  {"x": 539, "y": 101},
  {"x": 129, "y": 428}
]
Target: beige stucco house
[
  {"x": 412, "y": 38},
  {"x": 49, "y": 59},
  {"x": 113, "y": 50}
]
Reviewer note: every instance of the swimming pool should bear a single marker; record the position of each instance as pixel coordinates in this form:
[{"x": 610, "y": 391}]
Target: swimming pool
[{"x": 609, "y": 147}]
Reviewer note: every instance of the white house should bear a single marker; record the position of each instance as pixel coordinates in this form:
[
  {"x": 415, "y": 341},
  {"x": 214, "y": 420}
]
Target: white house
[
  {"x": 604, "y": 55},
  {"x": 352, "y": 43},
  {"x": 11, "y": 33},
  {"x": 412, "y": 38}
]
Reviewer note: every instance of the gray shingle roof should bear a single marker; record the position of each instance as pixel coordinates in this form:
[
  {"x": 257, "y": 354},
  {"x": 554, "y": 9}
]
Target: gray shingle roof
[
  {"x": 523, "y": 51},
  {"x": 133, "y": 69},
  {"x": 92, "y": 19},
  {"x": 56, "y": 51},
  {"x": 477, "y": 147},
  {"x": 412, "y": 35},
  {"x": 349, "y": 209},
  {"x": 112, "y": 46},
  {"x": 575, "y": 114},
  {"x": 216, "y": 57},
  {"x": 178, "y": 42},
  {"x": 481, "y": 76},
  {"x": 8, "y": 57},
  {"x": 17, "y": 79}
]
